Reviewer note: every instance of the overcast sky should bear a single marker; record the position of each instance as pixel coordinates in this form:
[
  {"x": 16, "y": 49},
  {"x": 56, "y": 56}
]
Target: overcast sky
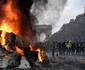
[{"x": 72, "y": 9}]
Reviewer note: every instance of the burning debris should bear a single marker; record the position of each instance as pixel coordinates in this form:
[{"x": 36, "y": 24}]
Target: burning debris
[
  {"x": 14, "y": 17},
  {"x": 13, "y": 50},
  {"x": 16, "y": 33}
]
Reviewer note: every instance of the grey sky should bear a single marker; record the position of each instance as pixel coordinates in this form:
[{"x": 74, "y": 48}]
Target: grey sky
[{"x": 72, "y": 9}]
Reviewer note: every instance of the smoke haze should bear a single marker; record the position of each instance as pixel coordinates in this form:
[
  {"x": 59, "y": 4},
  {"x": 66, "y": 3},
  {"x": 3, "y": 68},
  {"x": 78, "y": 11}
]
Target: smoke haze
[{"x": 48, "y": 11}]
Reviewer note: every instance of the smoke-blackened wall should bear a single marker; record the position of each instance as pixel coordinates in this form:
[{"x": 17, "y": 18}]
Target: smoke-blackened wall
[{"x": 48, "y": 11}]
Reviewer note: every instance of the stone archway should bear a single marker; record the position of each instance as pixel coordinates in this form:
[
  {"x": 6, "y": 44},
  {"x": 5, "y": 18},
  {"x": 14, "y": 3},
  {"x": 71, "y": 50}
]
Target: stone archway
[{"x": 43, "y": 32}]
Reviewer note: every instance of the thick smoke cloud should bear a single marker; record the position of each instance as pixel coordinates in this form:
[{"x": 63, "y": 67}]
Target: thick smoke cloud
[
  {"x": 48, "y": 11},
  {"x": 20, "y": 8}
]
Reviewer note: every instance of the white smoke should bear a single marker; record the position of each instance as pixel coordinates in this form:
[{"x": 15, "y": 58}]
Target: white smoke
[{"x": 48, "y": 13}]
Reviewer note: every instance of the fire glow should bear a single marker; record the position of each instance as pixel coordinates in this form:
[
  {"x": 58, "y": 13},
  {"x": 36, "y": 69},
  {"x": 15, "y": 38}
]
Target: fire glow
[
  {"x": 10, "y": 22},
  {"x": 40, "y": 53}
]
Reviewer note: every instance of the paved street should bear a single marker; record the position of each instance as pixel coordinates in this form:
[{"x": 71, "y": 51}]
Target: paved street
[{"x": 64, "y": 63}]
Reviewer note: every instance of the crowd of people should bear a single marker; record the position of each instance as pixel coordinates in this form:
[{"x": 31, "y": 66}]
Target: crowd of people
[{"x": 67, "y": 48}]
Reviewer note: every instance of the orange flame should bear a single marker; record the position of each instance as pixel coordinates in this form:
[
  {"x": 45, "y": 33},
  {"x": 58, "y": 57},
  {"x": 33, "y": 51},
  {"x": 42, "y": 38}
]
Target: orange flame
[
  {"x": 10, "y": 23},
  {"x": 40, "y": 53},
  {"x": 18, "y": 50},
  {"x": 2, "y": 38},
  {"x": 10, "y": 18}
]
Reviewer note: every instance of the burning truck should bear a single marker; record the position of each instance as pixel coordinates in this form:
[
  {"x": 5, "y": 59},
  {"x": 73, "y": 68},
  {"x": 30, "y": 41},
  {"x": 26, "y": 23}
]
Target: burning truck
[
  {"x": 16, "y": 34},
  {"x": 15, "y": 47}
]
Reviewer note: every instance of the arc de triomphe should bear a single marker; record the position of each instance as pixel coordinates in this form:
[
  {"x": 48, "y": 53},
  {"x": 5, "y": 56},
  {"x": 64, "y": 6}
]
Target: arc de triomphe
[{"x": 43, "y": 32}]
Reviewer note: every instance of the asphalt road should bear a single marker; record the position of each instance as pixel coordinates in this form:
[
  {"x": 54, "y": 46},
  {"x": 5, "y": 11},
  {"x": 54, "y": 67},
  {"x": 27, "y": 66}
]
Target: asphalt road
[{"x": 63, "y": 63}]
